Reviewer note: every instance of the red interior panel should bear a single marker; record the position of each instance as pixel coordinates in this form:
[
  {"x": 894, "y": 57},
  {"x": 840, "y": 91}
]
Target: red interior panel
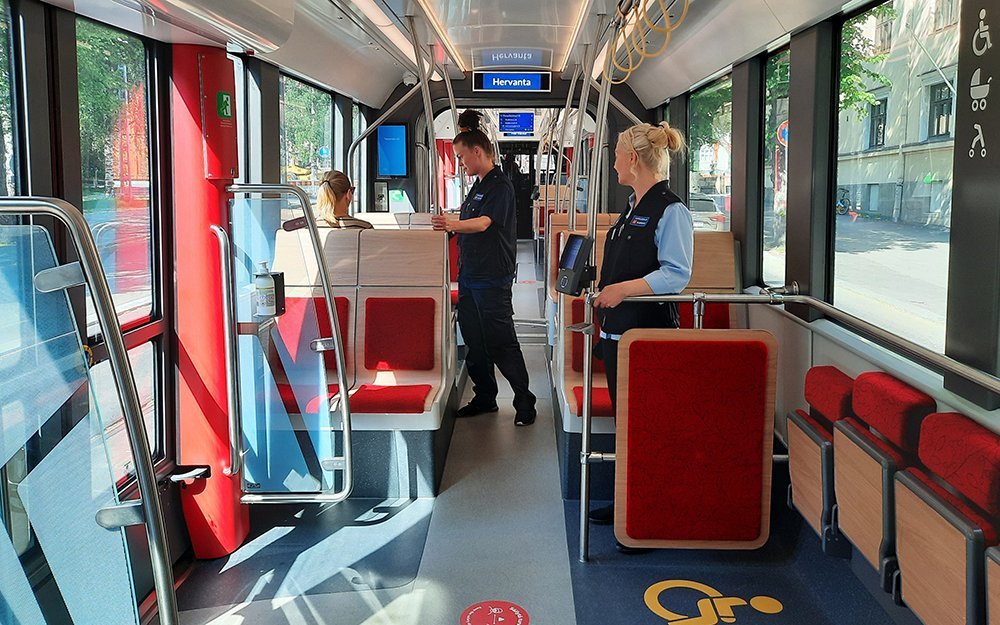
[
  {"x": 696, "y": 417},
  {"x": 577, "y": 354},
  {"x": 399, "y": 333}
]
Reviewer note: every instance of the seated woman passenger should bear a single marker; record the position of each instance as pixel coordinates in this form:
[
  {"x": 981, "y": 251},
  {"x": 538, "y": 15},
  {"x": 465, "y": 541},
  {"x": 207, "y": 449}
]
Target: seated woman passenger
[{"x": 333, "y": 201}]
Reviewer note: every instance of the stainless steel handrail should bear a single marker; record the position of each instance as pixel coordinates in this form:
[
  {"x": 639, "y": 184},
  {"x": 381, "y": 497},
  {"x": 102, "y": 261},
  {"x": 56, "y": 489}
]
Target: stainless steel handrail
[
  {"x": 588, "y": 314},
  {"x": 922, "y": 354},
  {"x": 331, "y": 310},
  {"x": 424, "y": 75},
  {"x": 367, "y": 132},
  {"x": 460, "y": 170},
  {"x": 590, "y": 55},
  {"x": 562, "y": 133},
  {"x": 232, "y": 365},
  {"x": 618, "y": 104},
  {"x": 90, "y": 260}
]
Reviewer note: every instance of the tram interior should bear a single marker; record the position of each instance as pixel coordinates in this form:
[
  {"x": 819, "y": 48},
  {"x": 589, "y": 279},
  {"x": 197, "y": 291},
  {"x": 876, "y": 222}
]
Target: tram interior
[{"x": 216, "y": 409}]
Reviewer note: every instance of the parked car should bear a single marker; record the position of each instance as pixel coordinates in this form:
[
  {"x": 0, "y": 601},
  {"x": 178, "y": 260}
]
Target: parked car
[{"x": 706, "y": 213}]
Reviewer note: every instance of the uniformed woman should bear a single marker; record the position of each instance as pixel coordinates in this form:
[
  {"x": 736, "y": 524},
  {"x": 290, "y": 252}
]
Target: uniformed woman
[
  {"x": 647, "y": 251},
  {"x": 486, "y": 269}
]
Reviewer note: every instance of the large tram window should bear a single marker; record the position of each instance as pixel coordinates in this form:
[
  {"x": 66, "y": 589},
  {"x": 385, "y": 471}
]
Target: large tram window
[
  {"x": 306, "y": 134},
  {"x": 710, "y": 131},
  {"x": 892, "y": 199},
  {"x": 143, "y": 359},
  {"x": 114, "y": 142},
  {"x": 775, "y": 166}
]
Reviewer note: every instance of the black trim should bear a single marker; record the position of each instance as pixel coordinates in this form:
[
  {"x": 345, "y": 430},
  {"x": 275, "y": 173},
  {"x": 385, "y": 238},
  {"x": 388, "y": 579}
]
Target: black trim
[
  {"x": 812, "y": 113},
  {"x": 263, "y": 127},
  {"x": 680, "y": 178},
  {"x": 748, "y": 166}
]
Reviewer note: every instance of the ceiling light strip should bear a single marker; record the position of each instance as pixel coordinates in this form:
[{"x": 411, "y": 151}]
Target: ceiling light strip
[
  {"x": 442, "y": 34},
  {"x": 581, "y": 21},
  {"x": 387, "y": 27}
]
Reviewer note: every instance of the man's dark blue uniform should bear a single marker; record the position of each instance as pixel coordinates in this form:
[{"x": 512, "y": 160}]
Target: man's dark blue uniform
[{"x": 487, "y": 268}]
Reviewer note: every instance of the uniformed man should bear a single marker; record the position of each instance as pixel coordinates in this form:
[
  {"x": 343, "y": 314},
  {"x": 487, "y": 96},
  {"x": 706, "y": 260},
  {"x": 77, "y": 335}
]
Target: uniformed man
[{"x": 487, "y": 267}]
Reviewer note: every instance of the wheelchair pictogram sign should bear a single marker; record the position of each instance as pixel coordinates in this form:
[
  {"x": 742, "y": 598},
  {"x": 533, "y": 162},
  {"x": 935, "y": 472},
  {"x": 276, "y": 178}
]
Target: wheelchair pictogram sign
[{"x": 712, "y": 609}]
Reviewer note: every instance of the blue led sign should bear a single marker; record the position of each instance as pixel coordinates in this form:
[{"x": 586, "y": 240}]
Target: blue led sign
[{"x": 511, "y": 81}]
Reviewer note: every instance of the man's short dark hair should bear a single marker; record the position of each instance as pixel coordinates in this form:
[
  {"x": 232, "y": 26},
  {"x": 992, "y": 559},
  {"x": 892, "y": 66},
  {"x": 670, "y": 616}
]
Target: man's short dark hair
[{"x": 475, "y": 139}]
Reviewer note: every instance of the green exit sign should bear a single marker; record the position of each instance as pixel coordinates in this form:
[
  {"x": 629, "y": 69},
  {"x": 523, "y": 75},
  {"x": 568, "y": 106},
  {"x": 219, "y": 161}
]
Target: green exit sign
[{"x": 224, "y": 104}]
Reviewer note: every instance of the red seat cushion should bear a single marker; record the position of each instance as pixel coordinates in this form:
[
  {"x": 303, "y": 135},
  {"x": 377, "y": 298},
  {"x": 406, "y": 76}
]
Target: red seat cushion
[
  {"x": 716, "y": 316},
  {"x": 695, "y": 441},
  {"x": 454, "y": 297},
  {"x": 290, "y": 400},
  {"x": 892, "y": 408},
  {"x": 600, "y": 402},
  {"x": 881, "y": 444},
  {"x": 577, "y": 355},
  {"x": 822, "y": 428},
  {"x": 974, "y": 515},
  {"x": 399, "y": 333},
  {"x": 828, "y": 392},
  {"x": 966, "y": 455},
  {"x": 406, "y": 399},
  {"x": 305, "y": 320}
]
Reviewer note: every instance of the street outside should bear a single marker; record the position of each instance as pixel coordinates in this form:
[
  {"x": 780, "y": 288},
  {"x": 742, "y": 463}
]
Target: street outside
[{"x": 893, "y": 275}]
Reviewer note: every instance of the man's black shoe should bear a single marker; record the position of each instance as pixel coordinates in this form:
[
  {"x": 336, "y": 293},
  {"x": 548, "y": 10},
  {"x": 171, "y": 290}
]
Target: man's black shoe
[
  {"x": 630, "y": 551},
  {"x": 524, "y": 418},
  {"x": 602, "y": 516},
  {"x": 472, "y": 409}
]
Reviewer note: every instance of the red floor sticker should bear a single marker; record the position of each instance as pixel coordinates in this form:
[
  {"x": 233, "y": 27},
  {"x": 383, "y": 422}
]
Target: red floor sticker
[{"x": 494, "y": 613}]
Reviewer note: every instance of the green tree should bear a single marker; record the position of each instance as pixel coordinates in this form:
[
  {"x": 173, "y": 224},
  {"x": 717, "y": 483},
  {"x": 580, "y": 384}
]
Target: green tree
[
  {"x": 859, "y": 60},
  {"x": 710, "y": 119},
  {"x": 307, "y": 125},
  {"x": 111, "y": 65}
]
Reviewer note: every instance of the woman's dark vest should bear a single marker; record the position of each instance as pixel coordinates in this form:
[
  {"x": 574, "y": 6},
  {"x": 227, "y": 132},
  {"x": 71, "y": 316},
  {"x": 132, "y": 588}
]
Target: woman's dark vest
[{"x": 629, "y": 253}]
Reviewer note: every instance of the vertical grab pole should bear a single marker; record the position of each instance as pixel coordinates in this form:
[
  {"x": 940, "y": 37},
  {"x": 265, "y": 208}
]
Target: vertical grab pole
[
  {"x": 232, "y": 366},
  {"x": 425, "y": 88},
  {"x": 590, "y": 55},
  {"x": 454, "y": 120},
  {"x": 562, "y": 129},
  {"x": 588, "y": 314}
]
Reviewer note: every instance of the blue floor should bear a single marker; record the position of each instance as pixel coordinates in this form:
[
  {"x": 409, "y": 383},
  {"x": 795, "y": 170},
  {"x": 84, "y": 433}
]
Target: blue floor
[{"x": 812, "y": 588}]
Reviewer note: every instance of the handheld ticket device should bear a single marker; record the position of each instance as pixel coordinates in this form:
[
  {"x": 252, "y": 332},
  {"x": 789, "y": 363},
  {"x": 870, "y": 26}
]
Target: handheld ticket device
[{"x": 574, "y": 274}]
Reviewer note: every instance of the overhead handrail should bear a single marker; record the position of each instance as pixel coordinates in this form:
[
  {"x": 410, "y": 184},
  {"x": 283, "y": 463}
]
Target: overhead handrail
[
  {"x": 562, "y": 129},
  {"x": 90, "y": 260},
  {"x": 338, "y": 349},
  {"x": 460, "y": 170},
  {"x": 232, "y": 364},
  {"x": 772, "y": 298}
]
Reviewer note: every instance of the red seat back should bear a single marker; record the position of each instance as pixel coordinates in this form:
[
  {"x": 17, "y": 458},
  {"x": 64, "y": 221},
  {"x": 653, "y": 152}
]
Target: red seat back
[
  {"x": 399, "y": 333},
  {"x": 892, "y": 408}
]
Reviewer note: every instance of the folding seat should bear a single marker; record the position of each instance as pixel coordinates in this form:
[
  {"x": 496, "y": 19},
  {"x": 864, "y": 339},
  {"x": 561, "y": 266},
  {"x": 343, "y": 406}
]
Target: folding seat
[
  {"x": 947, "y": 514},
  {"x": 828, "y": 392},
  {"x": 868, "y": 449}
]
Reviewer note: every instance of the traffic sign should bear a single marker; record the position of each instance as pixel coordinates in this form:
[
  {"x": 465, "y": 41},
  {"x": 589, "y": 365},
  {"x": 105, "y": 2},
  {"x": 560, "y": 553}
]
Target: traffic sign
[{"x": 783, "y": 133}]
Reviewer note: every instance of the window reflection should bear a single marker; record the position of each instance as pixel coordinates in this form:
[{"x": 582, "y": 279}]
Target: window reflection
[{"x": 114, "y": 141}]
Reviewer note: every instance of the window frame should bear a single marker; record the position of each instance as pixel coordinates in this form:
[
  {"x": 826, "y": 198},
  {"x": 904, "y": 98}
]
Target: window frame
[
  {"x": 875, "y": 140},
  {"x": 953, "y": 13},
  {"x": 947, "y": 111}
]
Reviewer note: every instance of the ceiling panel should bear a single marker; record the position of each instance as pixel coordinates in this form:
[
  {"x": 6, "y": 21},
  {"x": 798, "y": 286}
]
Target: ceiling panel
[{"x": 545, "y": 24}]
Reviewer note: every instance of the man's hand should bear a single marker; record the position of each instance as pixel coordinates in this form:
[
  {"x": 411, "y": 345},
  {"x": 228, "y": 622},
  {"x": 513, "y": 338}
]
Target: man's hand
[{"x": 442, "y": 222}]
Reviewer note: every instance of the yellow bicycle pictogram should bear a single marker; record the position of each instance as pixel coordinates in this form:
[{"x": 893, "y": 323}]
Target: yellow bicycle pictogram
[{"x": 714, "y": 608}]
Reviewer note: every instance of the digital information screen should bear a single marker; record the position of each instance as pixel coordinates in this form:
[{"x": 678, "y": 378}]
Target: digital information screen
[
  {"x": 519, "y": 122},
  {"x": 392, "y": 148},
  {"x": 512, "y": 81}
]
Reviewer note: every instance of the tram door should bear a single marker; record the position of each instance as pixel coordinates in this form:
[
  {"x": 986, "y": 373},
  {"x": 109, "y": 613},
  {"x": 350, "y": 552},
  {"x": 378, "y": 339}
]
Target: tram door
[
  {"x": 287, "y": 383},
  {"x": 517, "y": 159}
]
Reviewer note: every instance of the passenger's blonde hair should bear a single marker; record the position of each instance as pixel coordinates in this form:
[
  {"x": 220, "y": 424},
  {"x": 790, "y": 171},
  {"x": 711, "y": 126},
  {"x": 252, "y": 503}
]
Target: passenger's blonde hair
[
  {"x": 334, "y": 186},
  {"x": 653, "y": 144}
]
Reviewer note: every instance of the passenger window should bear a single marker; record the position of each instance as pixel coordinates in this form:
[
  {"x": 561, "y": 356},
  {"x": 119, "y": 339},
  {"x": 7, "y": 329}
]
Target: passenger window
[
  {"x": 306, "y": 134},
  {"x": 710, "y": 128},
  {"x": 776, "y": 133},
  {"x": 892, "y": 199},
  {"x": 114, "y": 144}
]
